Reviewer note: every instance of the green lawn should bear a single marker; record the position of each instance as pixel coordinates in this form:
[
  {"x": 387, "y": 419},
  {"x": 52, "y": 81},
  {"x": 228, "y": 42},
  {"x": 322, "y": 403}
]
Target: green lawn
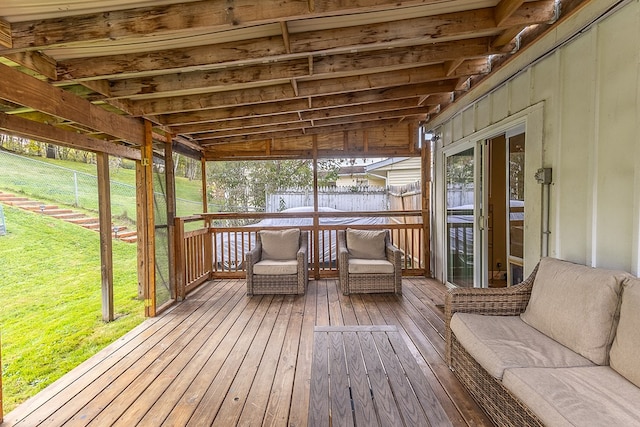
[
  {"x": 55, "y": 181},
  {"x": 50, "y": 291}
]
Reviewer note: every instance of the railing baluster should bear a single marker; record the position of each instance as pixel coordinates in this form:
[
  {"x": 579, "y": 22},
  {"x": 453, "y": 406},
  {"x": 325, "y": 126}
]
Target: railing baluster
[{"x": 204, "y": 255}]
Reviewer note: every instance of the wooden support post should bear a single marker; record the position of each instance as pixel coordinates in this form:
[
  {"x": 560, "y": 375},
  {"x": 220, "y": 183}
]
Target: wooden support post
[
  {"x": 149, "y": 222},
  {"x": 316, "y": 219},
  {"x": 426, "y": 202},
  {"x": 106, "y": 246},
  {"x": 205, "y": 203}
]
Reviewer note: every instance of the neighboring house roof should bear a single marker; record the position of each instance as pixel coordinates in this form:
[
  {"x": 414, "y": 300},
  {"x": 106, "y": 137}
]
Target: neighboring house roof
[
  {"x": 352, "y": 170},
  {"x": 394, "y": 163}
]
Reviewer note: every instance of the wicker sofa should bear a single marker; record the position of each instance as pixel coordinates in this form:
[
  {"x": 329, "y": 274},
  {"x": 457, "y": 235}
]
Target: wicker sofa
[{"x": 559, "y": 349}]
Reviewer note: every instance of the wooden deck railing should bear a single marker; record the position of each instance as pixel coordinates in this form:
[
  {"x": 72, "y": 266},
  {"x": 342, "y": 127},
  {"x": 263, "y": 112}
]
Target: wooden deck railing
[{"x": 218, "y": 251}]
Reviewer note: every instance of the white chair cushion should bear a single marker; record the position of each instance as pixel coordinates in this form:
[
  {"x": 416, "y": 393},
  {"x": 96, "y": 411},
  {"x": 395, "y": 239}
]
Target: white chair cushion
[
  {"x": 275, "y": 268},
  {"x": 501, "y": 342},
  {"x": 370, "y": 266},
  {"x": 624, "y": 351},
  {"x": 577, "y": 306},
  {"x": 280, "y": 244},
  {"x": 367, "y": 244},
  {"x": 595, "y": 396}
]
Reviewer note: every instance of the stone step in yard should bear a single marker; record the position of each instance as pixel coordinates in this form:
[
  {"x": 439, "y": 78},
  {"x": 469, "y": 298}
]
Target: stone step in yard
[{"x": 117, "y": 231}]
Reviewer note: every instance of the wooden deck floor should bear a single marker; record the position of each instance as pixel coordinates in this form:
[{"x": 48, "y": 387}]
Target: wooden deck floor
[{"x": 222, "y": 358}]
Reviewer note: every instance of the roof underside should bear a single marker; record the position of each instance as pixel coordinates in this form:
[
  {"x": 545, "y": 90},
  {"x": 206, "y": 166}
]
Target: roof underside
[{"x": 259, "y": 79}]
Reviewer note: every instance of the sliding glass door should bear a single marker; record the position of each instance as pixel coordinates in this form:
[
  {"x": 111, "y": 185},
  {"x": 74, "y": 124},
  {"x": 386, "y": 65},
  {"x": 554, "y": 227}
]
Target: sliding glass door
[{"x": 463, "y": 174}]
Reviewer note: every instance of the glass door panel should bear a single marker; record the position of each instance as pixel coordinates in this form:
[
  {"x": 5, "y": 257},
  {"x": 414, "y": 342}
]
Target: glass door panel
[
  {"x": 516, "y": 209},
  {"x": 461, "y": 214}
]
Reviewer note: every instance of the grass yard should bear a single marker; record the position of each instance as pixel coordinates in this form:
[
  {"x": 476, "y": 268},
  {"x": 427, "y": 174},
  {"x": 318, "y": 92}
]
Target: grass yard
[
  {"x": 54, "y": 181},
  {"x": 50, "y": 291}
]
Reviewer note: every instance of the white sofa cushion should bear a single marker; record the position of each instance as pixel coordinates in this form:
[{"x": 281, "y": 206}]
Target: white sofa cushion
[
  {"x": 585, "y": 396},
  {"x": 501, "y": 342},
  {"x": 577, "y": 306},
  {"x": 270, "y": 267},
  {"x": 370, "y": 266},
  {"x": 626, "y": 346},
  {"x": 368, "y": 244},
  {"x": 280, "y": 244}
]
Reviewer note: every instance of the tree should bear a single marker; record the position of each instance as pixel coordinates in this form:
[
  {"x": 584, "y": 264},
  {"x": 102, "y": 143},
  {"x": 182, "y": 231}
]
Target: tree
[{"x": 242, "y": 185}]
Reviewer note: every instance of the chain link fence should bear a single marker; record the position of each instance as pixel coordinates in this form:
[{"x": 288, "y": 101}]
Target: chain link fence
[{"x": 59, "y": 185}]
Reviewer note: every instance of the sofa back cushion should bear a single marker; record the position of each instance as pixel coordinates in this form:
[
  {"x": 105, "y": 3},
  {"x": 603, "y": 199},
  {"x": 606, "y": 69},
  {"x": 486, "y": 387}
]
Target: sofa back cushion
[
  {"x": 624, "y": 351},
  {"x": 577, "y": 306},
  {"x": 280, "y": 244},
  {"x": 366, "y": 244}
]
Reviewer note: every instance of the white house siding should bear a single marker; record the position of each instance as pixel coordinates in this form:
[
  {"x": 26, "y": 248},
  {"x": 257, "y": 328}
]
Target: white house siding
[
  {"x": 403, "y": 172},
  {"x": 580, "y": 105},
  {"x": 402, "y": 177}
]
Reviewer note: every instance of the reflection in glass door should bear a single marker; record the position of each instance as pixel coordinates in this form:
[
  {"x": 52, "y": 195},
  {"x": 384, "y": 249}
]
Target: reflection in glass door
[
  {"x": 515, "y": 258},
  {"x": 460, "y": 203}
]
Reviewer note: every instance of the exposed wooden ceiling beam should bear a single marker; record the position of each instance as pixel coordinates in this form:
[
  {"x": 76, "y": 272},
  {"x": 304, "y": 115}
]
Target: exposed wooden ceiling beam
[
  {"x": 327, "y": 66},
  {"x": 285, "y": 92},
  {"x": 354, "y": 113},
  {"x": 213, "y": 15},
  {"x": 426, "y": 28},
  {"x": 341, "y": 111},
  {"x": 31, "y": 92},
  {"x": 298, "y": 132},
  {"x": 36, "y": 61},
  {"x": 47, "y": 133},
  {"x": 344, "y": 40}
]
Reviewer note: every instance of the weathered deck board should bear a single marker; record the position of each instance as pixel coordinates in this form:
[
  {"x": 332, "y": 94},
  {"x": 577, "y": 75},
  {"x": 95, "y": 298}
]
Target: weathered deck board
[{"x": 222, "y": 358}]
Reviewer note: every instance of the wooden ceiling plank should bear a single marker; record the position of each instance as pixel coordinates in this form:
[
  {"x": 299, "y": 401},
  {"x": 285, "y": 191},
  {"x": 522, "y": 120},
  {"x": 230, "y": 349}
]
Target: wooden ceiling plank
[
  {"x": 227, "y": 124},
  {"x": 146, "y": 86},
  {"x": 47, "y": 133},
  {"x": 294, "y": 133},
  {"x": 505, "y": 9},
  {"x": 284, "y": 93},
  {"x": 274, "y": 108},
  {"x": 426, "y": 28},
  {"x": 381, "y": 115},
  {"x": 224, "y": 113},
  {"x": 6, "y": 37},
  {"x": 213, "y": 15},
  {"x": 257, "y": 50},
  {"x": 423, "y": 74},
  {"x": 211, "y": 78},
  {"x": 353, "y": 113},
  {"x": 420, "y": 54},
  {"x": 263, "y": 130},
  {"x": 33, "y": 93},
  {"x": 345, "y": 39}
]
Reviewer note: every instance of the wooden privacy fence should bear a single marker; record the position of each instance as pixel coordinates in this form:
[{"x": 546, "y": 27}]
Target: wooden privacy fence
[{"x": 217, "y": 251}]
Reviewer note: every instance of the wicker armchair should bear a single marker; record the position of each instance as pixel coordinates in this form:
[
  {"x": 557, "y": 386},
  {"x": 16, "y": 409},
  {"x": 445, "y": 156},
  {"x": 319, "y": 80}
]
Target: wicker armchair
[
  {"x": 503, "y": 408},
  {"x": 275, "y": 266},
  {"x": 361, "y": 274}
]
